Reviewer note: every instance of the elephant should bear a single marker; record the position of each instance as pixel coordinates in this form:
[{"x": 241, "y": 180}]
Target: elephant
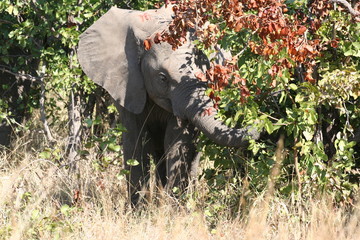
[{"x": 160, "y": 101}]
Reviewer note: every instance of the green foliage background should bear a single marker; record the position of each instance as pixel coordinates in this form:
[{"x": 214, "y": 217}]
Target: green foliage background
[
  {"x": 39, "y": 38},
  {"x": 318, "y": 121}
]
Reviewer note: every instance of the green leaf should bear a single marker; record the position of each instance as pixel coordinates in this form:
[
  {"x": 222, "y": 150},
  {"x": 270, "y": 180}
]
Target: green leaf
[
  {"x": 282, "y": 97},
  {"x": 88, "y": 15},
  {"x": 208, "y": 213},
  {"x": 176, "y": 190},
  {"x": 45, "y": 154},
  {"x": 65, "y": 209},
  {"x": 15, "y": 11},
  {"x": 88, "y": 122},
  {"x": 356, "y": 45},
  {"x": 350, "y": 144},
  {"x": 97, "y": 121},
  {"x": 10, "y": 9},
  {"x": 35, "y": 214},
  {"x": 84, "y": 153},
  {"x": 114, "y": 147},
  {"x": 352, "y": 49},
  {"x": 341, "y": 145},
  {"x": 132, "y": 162},
  {"x": 299, "y": 98},
  {"x": 268, "y": 126},
  {"x": 124, "y": 172},
  {"x": 312, "y": 117},
  {"x": 112, "y": 109},
  {"x": 308, "y": 135},
  {"x": 293, "y": 86}
]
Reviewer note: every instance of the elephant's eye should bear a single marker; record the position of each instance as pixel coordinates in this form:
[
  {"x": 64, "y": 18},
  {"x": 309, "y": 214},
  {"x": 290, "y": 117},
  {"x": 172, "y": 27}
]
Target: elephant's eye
[{"x": 162, "y": 78}]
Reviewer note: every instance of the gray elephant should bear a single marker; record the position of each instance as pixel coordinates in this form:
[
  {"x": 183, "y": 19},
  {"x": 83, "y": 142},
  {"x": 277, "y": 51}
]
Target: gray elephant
[{"x": 160, "y": 101}]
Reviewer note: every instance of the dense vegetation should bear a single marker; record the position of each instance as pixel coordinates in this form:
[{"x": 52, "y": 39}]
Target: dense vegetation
[{"x": 295, "y": 75}]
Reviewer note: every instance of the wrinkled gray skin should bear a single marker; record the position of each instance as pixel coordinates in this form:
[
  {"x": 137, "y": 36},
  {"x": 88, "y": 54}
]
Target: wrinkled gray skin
[{"x": 160, "y": 101}]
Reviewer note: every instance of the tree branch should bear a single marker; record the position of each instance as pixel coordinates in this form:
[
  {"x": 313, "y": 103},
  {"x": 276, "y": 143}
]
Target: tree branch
[
  {"x": 22, "y": 76},
  {"x": 346, "y": 4},
  {"x": 356, "y": 136},
  {"x": 42, "y": 107}
]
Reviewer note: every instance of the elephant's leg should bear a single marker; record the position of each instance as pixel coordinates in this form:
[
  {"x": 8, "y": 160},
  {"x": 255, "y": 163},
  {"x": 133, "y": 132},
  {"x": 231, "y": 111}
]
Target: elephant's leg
[
  {"x": 180, "y": 152},
  {"x": 136, "y": 146},
  {"x": 138, "y": 178}
]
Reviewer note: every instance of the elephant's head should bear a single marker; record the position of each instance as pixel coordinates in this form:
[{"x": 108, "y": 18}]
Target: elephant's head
[{"x": 111, "y": 53}]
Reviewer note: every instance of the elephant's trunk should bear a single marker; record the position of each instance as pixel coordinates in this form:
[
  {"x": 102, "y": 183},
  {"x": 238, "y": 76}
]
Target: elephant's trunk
[{"x": 199, "y": 110}]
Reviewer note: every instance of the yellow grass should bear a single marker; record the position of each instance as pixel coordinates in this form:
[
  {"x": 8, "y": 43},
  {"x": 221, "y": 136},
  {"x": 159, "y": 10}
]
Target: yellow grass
[{"x": 38, "y": 201}]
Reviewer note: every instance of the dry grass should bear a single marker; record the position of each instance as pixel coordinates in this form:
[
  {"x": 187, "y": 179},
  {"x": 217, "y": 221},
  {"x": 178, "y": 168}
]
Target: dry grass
[{"x": 39, "y": 200}]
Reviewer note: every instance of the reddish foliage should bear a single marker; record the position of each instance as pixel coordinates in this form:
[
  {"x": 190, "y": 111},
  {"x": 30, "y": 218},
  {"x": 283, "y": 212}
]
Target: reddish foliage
[
  {"x": 76, "y": 196},
  {"x": 201, "y": 76},
  {"x": 208, "y": 111},
  {"x": 147, "y": 44},
  {"x": 278, "y": 31},
  {"x": 334, "y": 43}
]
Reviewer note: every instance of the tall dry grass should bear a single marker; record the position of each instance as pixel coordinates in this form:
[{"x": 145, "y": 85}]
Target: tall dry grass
[{"x": 40, "y": 200}]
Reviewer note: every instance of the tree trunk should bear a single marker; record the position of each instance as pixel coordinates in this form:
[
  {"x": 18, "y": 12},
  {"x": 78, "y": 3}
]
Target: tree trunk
[{"x": 74, "y": 140}]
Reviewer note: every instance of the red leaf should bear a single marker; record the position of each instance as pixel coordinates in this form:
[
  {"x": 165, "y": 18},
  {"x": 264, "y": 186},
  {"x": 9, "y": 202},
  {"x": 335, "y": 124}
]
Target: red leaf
[
  {"x": 208, "y": 111},
  {"x": 76, "y": 196},
  {"x": 158, "y": 38},
  {"x": 301, "y": 30},
  {"x": 238, "y": 26},
  {"x": 284, "y": 31},
  {"x": 309, "y": 48},
  {"x": 309, "y": 76},
  {"x": 211, "y": 95},
  {"x": 270, "y": 28},
  {"x": 334, "y": 43},
  {"x": 147, "y": 44},
  {"x": 201, "y": 76},
  {"x": 277, "y": 28}
]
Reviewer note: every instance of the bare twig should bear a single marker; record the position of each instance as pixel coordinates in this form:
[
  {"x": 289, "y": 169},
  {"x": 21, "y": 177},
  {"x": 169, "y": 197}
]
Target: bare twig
[
  {"x": 74, "y": 114},
  {"x": 42, "y": 109},
  {"x": 346, "y": 4},
  {"x": 356, "y": 136},
  {"x": 269, "y": 116},
  {"x": 22, "y": 76},
  {"x": 40, "y": 80},
  {"x": 357, "y": 5},
  {"x": 5, "y": 21},
  {"x": 75, "y": 128}
]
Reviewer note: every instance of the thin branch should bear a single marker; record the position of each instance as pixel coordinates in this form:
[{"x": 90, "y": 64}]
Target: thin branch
[
  {"x": 42, "y": 108},
  {"x": 17, "y": 55},
  {"x": 271, "y": 117},
  {"x": 356, "y": 136},
  {"x": 5, "y": 21},
  {"x": 346, "y": 4},
  {"x": 246, "y": 47},
  {"x": 357, "y": 5},
  {"x": 22, "y": 76}
]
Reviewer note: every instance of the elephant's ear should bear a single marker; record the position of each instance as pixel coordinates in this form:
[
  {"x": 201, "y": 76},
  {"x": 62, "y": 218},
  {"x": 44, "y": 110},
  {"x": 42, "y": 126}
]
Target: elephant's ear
[{"x": 108, "y": 53}]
